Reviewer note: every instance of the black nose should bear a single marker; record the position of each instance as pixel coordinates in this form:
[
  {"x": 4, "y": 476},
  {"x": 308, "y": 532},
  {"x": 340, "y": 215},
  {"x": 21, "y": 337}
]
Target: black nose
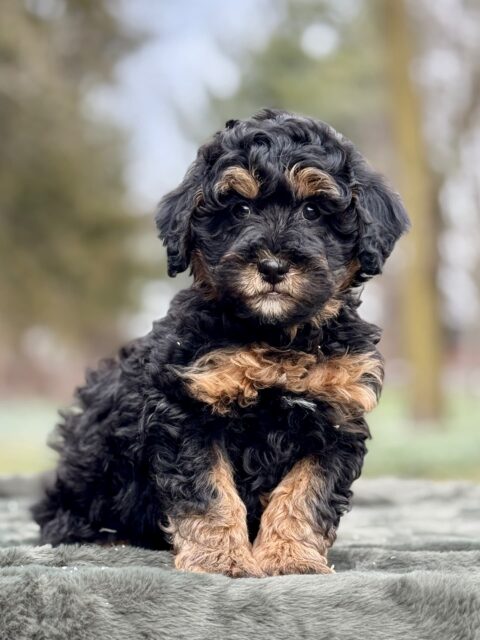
[{"x": 273, "y": 269}]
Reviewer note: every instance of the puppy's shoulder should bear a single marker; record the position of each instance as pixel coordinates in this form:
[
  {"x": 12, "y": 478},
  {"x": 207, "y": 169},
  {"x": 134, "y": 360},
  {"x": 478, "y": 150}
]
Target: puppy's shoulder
[
  {"x": 177, "y": 338},
  {"x": 350, "y": 331}
]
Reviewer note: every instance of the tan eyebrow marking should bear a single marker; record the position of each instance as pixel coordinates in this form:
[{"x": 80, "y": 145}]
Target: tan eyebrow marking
[
  {"x": 240, "y": 180},
  {"x": 310, "y": 181}
]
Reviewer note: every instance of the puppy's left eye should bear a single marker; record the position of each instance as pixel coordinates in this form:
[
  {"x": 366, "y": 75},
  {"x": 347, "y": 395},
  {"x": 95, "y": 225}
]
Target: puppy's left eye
[
  {"x": 311, "y": 211},
  {"x": 241, "y": 210}
]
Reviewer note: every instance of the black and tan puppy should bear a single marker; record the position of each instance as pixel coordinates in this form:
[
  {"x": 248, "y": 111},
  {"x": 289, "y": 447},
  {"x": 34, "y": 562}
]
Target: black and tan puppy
[{"x": 233, "y": 431}]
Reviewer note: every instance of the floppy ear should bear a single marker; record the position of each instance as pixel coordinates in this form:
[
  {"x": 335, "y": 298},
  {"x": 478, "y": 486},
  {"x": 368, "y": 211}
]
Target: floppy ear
[
  {"x": 383, "y": 220},
  {"x": 173, "y": 218}
]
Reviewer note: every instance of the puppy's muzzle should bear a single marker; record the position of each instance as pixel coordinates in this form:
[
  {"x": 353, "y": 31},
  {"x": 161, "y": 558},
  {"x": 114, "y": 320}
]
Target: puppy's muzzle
[{"x": 273, "y": 270}]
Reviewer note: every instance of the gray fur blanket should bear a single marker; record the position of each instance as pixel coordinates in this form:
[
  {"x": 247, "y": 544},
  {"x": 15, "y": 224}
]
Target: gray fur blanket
[{"x": 407, "y": 562}]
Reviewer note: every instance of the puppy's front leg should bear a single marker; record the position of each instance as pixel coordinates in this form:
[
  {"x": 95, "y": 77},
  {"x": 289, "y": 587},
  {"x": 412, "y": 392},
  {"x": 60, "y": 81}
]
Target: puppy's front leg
[
  {"x": 293, "y": 538},
  {"x": 215, "y": 541}
]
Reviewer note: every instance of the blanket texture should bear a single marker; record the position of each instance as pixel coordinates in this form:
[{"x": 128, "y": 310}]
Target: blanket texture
[{"x": 407, "y": 562}]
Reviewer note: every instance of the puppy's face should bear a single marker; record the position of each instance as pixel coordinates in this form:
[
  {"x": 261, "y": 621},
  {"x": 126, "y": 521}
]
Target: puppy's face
[
  {"x": 278, "y": 217},
  {"x": 276, "y": 242}
]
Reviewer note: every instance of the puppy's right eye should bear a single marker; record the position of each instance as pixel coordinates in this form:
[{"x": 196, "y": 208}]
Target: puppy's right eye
[
  {"x": 241, "y": 210},
  {"x": 311, "y": 211}
]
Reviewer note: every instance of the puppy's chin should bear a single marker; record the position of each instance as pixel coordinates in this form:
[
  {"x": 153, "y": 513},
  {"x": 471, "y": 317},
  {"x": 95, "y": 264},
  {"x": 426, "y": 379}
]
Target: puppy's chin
[
  {"x": 272, "y": 307},
  {"x": 282, "y": 310}
]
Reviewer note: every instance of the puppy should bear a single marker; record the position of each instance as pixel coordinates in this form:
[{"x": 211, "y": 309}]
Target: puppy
[{"x": 233, "y": 431}]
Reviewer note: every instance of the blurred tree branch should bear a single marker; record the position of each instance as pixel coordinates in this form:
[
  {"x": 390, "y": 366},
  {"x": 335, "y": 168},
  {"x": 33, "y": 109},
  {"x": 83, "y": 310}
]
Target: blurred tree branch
[{"x": 66, "y": 238}]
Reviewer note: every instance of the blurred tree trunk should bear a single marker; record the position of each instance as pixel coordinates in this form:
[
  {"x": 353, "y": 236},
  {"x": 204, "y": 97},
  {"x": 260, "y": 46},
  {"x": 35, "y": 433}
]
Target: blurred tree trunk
[{"x": 423, "y": 327}]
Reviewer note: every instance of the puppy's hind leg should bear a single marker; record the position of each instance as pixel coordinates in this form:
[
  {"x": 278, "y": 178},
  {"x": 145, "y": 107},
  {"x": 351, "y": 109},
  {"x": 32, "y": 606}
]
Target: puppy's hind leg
[{"x": 60, "y": 524}]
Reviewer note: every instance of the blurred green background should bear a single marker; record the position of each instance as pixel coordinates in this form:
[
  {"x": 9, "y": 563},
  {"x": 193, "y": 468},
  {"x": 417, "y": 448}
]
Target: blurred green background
[{"x": 102, "y": 105}]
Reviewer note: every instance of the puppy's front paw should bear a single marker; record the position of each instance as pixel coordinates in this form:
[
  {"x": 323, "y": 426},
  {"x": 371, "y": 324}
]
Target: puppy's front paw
[
  {"x": 284, "y": 557},
  {"x": 238, "y": 563}
]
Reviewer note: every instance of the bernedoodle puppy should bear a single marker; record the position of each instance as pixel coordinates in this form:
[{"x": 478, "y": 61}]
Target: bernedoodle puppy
[{"x": 233, "y": 431}]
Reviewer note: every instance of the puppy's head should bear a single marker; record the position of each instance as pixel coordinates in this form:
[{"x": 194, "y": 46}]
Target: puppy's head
[{"x": 278, "y": 216}]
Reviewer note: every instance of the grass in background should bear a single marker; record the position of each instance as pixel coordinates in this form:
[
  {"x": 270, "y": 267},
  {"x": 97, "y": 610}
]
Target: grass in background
[
  {"x": 24, "y": 426},
  {"x": 399, "y": 447}
]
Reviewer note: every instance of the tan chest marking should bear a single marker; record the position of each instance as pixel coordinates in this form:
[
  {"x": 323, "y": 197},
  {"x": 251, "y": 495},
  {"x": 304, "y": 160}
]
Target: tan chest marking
[{"x": 232, "y": 375}]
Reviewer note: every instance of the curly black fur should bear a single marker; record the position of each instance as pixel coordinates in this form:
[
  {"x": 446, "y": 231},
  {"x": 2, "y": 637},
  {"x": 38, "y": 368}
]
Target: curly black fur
[{"x": 137, "y": 449}]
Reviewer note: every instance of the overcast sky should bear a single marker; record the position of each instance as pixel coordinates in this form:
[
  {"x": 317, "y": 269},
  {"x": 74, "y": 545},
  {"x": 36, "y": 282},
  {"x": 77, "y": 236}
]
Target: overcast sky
[{"x": 168, "y": 79}]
